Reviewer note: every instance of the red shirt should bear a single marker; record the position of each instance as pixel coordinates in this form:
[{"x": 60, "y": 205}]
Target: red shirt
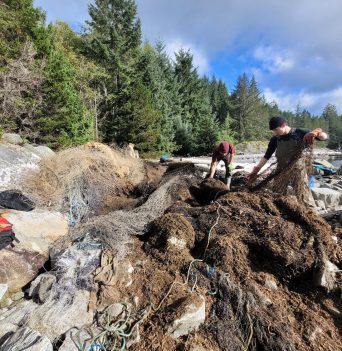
[{"x": 228, "y": 148}]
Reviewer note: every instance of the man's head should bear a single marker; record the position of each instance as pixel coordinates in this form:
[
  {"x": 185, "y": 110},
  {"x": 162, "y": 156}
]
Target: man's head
[
  {"x": 278, "y": 126},
  {"x": 224, "y": 148}
]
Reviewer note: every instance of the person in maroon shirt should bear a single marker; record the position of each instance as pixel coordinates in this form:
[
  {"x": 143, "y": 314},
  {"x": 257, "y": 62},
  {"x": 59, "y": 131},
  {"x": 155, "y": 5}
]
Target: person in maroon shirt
[{"x": 224, "y": 151}]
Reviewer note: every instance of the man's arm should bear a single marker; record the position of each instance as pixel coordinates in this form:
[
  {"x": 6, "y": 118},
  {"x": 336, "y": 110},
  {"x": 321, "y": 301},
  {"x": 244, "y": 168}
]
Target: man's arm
[
  {"x": 212, "y": 170},
  {"x": 272, "y": 145},
  {"x": 253, "y": 175},
  {"x": 315, "y": 134}
]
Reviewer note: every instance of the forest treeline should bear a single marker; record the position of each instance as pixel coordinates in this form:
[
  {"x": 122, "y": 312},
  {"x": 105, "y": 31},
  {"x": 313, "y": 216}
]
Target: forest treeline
[{"x": 64, "y": 88}]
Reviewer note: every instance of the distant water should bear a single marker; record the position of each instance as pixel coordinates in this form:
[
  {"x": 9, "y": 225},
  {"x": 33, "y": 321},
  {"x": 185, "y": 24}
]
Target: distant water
[{"x": 336, "y": 161}]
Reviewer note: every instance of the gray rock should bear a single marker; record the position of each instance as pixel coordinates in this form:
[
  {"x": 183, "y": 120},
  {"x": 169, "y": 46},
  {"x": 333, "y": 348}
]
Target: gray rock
[
  {"x": 113, "y": 310},
  {"x": 15, "y": 161},
  {"x": 271, "y": 284},
  {"x": 17, "y": 296},
  {"x": 320, "y": 204},
  {"x": 11, "y": 138},
  {"x": 326, "y": 276},
  {"x": 191, "y": 317},
  {"x": 74, "y": 339},
  {"x": 6, "y": 330},
  {"x": 41, "y": 286},
  {"x": 330, "y": 197},
  {"x": 18, "y": 314},
  {"x": 28, "y": 340},
  {"x": 41, "y": 151},
  {"x": 37, "y": 229},
  {"x": 56, "y": 317},
  {"x": 19, "y": 266},
  {"x": 3, "y": 290}
]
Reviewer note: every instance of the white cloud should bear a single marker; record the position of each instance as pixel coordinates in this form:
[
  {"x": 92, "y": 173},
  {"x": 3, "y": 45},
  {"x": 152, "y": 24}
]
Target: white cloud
[
  {"x": 292, "y": 45},
  {"x": 313, "y": 102},
  {"x": 273, "y": 60},
  {"x": 199, "y": 58}
]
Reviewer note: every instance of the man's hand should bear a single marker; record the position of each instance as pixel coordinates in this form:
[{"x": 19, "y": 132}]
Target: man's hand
[
  {"x": 310, "y": 137},
  {"x": 254, "y": 174}
]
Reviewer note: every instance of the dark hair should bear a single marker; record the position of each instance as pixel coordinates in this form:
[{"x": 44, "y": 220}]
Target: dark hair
[{"x": 276, "y": 122}]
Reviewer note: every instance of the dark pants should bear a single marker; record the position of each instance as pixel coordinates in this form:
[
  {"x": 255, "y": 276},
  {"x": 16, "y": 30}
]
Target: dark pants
[{"x": 227, "y": 173}]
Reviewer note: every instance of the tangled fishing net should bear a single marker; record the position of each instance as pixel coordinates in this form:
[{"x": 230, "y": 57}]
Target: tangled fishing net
[
  {"x": 291, "y": 177},
  {"x": 79, "y": 180}
]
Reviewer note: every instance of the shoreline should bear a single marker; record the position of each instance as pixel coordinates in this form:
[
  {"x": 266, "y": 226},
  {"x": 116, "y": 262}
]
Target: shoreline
[{"x": 248, "y": 161}]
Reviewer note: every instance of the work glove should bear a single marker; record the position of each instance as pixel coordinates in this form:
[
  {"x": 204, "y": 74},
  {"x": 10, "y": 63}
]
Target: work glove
[
  {"x": 230, "y": 167},
  {"x": 254, "y": 174},
  {"x": 310, "y": 137}
]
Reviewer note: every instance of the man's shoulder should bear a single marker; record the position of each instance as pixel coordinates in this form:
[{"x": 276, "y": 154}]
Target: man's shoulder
[{"x": 300, "y": 130}]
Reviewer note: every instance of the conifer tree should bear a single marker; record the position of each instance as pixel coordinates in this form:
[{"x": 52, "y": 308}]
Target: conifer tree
[
  {"x": 114, "y": 41},
  {"x": 21, "y": 22},
  {"x": 248, "y": 110},
  {"x": 240, "y": 106},
  {"x": 223, "y": 103},
  {"x": 195, "y": 104},
  {"x": 62, "y": 120},
  {"x": 155, "y": 70},
  {"x": 256, "y": 118},
  {"x": 333, "y": 125},
  {"x": 143, "y": 127}
]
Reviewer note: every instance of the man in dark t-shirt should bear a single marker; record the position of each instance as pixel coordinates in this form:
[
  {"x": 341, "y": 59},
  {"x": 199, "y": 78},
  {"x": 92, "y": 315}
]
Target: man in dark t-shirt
[
  {"x": 287, "y": 142},
  {"x": 224, "y": 151}
]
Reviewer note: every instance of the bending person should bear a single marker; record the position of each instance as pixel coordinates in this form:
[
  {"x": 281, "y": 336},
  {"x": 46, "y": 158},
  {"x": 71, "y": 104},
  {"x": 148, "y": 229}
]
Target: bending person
[{"x": 224, "y": 151}]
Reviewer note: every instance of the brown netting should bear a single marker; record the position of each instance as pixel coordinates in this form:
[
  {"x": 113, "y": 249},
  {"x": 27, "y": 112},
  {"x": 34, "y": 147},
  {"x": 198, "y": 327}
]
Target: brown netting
[
  {"x": 81, "y": 180},
  {"x": 290, "y": 178}
]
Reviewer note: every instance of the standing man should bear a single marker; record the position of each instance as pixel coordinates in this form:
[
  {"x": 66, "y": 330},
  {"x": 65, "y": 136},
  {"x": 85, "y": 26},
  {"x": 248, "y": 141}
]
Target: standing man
[
  {"x": 288, "y": 144},
  {"x": 222, "y": 152}
]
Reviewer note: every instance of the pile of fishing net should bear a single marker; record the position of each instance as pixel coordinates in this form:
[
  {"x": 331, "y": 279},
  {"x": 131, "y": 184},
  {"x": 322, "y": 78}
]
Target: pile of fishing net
[{"x": 82, "y": 180}]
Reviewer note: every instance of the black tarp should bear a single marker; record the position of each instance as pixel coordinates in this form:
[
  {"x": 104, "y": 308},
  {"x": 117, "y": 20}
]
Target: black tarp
[{"x": 15, "y": 200}]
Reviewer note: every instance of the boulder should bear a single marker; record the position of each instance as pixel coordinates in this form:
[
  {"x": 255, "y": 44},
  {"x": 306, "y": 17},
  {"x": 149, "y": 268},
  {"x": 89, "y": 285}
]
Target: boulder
[
  {"x": 15, "y": 161},
  {"x": 6, "y": 330},
  {"x": 11, "y": 138},
  {"x": 326, "y": 276},
  {"x": 330, "y": 197},
  {"x": 19, "y": 266},
  {"x": 74, "y": 339},
  {"x": 55, "y": 317},
  {"x": 41, "y": 150},
  {"x": 189, "y": 313},
  {"x": 28, "y": 340},
  {"x": 41, "y": 286},
  {"x": 17, "y": 296},
  {"x": 18, "y": 314},
  {"x": 38, "y": 229},
  {"x": 3, "y": 290},
  {"x": 271, "y": 284}
]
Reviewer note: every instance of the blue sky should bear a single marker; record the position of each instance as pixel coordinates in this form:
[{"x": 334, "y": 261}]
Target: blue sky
[{"x": 293, "y": 47}]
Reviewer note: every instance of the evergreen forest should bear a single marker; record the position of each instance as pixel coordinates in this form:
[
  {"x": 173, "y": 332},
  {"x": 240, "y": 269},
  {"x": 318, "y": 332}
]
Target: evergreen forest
[{"x": 63, "y": 88}]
